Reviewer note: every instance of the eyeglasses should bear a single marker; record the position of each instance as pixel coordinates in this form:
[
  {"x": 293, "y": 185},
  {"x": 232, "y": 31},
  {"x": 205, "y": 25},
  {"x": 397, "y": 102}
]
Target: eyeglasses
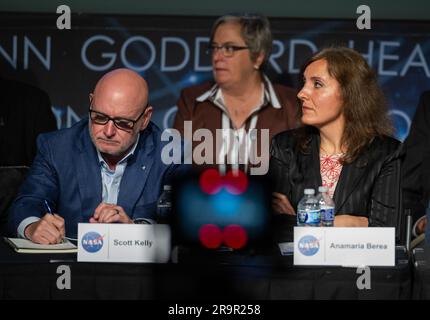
[
  {"x": 120, "y": 123},
  {"x": 227, "y": 50}
]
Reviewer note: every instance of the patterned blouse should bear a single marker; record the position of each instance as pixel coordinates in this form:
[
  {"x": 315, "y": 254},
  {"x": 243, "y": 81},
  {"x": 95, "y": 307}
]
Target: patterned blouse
[{"x": 330, "y": 171}]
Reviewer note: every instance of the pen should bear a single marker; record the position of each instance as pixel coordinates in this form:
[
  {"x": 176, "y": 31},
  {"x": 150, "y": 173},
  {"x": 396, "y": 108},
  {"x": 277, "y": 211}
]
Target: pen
[
  {"x": 48, "y": 207},
  {"x": 50, "y": 212}
]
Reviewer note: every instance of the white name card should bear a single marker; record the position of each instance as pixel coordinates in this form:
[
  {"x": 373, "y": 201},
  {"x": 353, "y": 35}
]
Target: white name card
[
  {"x": 123, "y": 242},
  {"x": 351, "y": 247}
]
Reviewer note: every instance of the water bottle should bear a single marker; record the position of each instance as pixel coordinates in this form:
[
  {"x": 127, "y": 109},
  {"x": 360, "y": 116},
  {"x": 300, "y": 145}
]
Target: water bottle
[
  {"x": 308, "y": 210},
  {"x": 326, "y": 207},
  {"x": 164, "y": 204}
]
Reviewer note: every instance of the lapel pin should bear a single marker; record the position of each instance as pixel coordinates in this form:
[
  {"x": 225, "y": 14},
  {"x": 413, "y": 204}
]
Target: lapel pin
[{"x": 143, "y": 167}]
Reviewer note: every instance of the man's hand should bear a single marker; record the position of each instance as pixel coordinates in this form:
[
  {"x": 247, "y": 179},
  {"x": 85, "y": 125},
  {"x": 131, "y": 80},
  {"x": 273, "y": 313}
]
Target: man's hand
[
  {"x": 421, "y": 226},
  {"x": 109, "y": 213},
  {"x": 281, "y": 204},
  {"x": 48, "y": 230}
]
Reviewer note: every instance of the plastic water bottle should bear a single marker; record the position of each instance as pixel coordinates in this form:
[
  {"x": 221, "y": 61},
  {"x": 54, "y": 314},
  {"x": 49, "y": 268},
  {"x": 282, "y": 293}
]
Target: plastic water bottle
[
  {"x": 164, "y": 204},
  {"x": 327, "y": 207},
  {"x": 308, "y": 210}
]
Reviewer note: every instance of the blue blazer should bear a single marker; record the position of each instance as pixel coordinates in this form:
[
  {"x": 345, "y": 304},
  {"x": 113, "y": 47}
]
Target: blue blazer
[{"x": 66, "y": 172}]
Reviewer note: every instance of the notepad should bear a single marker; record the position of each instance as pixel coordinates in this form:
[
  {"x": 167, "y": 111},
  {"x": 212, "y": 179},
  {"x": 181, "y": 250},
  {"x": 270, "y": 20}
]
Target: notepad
[{"x": 26, "y": 246}]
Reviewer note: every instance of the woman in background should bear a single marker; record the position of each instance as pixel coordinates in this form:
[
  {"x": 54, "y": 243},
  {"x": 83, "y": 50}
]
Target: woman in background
[{"x": 241, "y": 97}]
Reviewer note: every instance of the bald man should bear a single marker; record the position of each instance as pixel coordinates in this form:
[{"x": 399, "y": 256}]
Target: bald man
[{"x": 104, "y": 169}]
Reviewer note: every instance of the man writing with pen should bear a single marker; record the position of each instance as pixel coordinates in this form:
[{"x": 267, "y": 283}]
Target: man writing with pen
[{"x": 105, "y": 169}]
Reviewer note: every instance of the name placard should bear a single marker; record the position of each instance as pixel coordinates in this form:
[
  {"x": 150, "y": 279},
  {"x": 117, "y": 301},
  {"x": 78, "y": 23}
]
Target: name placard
[
  {"x": 123, "y": 242},
  {"x": 352, "y": 247}
]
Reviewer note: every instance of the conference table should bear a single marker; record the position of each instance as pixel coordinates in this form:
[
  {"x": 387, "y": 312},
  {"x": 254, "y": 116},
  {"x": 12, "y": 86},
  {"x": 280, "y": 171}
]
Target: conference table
[{"x": 195, "y": 274}]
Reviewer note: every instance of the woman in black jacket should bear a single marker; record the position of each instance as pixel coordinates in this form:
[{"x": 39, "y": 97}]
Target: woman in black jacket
[{"x": 345, "y": 143}]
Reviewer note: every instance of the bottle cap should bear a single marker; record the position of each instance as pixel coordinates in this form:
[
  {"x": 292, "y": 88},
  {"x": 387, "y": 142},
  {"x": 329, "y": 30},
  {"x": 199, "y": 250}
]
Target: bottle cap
[
  {"x": 309, "y": 191},
  {"x": 322, "y": 189}
]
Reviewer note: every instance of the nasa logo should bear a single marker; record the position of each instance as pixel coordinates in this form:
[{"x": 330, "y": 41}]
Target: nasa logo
[
  {"x": 308, "y": 245},
  {"x": 92, "y": 242}
]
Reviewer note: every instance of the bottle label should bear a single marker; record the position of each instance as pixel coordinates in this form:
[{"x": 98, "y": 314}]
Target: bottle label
[
  {"x": 327, "y": 214},
  {"x": 309, "y": 217}
]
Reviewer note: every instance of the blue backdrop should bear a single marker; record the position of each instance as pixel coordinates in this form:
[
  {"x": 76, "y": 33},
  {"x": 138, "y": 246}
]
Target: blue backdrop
[{"x": 170, "y": 52}]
